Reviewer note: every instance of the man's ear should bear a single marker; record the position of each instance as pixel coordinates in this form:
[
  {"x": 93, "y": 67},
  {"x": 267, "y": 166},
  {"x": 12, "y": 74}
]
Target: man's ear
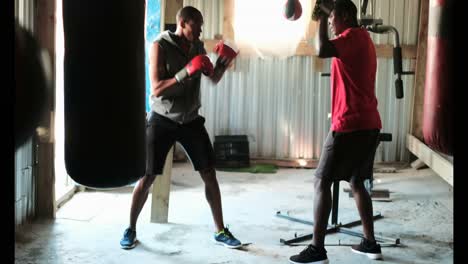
[{"x": 181, "y": 23}]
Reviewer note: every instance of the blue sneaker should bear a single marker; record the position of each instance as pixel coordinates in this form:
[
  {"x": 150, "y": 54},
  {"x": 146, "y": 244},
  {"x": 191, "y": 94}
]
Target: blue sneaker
[
  {"x": 129, "y": 239},
  {"x": 225, "y": 238}
]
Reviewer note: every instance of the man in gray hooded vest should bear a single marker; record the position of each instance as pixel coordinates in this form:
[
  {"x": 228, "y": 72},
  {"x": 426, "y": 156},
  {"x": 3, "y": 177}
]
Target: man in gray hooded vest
[{"x": 177, "y": 61}]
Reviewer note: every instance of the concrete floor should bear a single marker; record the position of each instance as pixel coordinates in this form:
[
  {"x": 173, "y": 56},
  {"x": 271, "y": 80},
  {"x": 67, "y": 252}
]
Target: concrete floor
[{"x": 88, "y": 228}]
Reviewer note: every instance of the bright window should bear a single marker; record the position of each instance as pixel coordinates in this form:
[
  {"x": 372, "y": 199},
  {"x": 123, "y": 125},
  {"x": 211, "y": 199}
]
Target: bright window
[{"x": 261, "y": 28}]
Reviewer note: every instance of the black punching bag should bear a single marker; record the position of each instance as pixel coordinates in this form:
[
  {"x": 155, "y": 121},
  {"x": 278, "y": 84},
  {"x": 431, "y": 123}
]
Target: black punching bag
[
  {"x": 104, "y": 78},
  {"x": 31, "y": 90}
]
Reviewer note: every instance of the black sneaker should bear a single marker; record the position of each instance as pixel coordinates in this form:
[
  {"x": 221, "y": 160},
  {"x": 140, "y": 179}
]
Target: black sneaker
[
  {"x": 310, "y": 255},
  {"x": 370, "y": 249}
]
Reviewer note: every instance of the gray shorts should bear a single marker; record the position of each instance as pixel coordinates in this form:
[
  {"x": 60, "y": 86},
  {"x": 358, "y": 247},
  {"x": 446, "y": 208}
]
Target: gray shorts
[{"x": 348, "y": 155}]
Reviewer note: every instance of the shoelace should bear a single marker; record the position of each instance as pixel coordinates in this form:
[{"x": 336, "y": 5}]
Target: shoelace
[
  {"x": 227, "y": 233},
  {"x": 128, "y": 232}
]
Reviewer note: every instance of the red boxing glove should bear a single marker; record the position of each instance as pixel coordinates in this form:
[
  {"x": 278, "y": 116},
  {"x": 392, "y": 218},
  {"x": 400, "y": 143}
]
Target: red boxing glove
[
  {"x": 292, "y": 10},
  {"x": 224, "y": 49},
  {"x": 226, "y": 52},
  {"x": 198, "y": 63}
]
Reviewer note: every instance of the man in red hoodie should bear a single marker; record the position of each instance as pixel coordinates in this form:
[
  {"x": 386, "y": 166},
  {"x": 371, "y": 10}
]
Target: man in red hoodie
[{"x": 349, "y": 150}]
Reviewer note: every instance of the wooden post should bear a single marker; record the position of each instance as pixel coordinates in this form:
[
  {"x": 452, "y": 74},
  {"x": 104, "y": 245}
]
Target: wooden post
[
  {"x": 420, "y": 72},
  {"x": 228, "y": 20},
  {"x": 317, "y": 64},
  {"x": 439, "y": 164},
  {"x": 45, "y": 178},
  {"x": 170, "y": 9},
  {"x": 161, "y": 190}
]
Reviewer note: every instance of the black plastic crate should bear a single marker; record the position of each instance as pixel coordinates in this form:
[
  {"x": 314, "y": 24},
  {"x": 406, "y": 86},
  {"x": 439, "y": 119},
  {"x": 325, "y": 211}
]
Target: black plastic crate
[{"x": 232, "y": 151}]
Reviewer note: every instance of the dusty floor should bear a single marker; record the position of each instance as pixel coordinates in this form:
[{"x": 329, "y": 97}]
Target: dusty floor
[{"x": 88, "y": 228}]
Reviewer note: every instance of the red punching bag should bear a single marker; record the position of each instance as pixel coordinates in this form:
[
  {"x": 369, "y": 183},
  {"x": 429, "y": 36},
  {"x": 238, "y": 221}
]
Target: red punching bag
[
  {"x": 438, "y": 105},
  {"x": 104, "y": 89},
  {"x": 292, "y": 10}
]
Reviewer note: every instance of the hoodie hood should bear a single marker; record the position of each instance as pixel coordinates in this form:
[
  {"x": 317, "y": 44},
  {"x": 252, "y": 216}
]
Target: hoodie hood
[
  {"x": 170, "y": 36},
  {"x": 167, "y": 35}
]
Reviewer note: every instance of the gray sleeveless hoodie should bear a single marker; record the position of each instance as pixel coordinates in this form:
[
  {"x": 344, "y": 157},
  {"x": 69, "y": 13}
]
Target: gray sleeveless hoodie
[{"x": 181, "y": 102}]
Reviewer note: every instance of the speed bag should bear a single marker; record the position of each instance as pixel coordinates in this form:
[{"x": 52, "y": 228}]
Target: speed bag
[
  {"x": 292, "y": 10},
  {"x": 438, "y": 95},
  {"x": 104, "y": 92}
]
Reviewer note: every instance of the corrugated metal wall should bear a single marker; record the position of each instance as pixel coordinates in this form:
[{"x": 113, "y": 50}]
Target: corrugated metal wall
[
  {"x": 278, "y": 103},
  {"x": 25, "y": 13},
  {"x": 25, "y": 192},
  {"x": 282, "y": 104},
  {"x": 212, "y": 11}
]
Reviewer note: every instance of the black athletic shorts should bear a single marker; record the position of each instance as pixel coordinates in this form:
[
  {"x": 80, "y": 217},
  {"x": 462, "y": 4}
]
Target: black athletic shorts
[
  {"x": 161, "y": 135},
  {"x": 347, "y": 155}
]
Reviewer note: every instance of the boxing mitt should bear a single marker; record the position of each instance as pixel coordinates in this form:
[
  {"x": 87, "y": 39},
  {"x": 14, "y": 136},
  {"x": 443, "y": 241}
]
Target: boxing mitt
[
  {"x": 321, "y": 8},
  {"x": 198, "y": 63},
  {"x": 292, "y": 10}
]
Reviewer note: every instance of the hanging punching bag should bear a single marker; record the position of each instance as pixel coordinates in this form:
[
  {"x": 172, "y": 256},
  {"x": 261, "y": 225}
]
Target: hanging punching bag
[
  {"x": 292, "y": 10},
  {"x": 104, "y": 91},
  {"x": 31, "y": 89},
  {"x": 438, "y": 104}
]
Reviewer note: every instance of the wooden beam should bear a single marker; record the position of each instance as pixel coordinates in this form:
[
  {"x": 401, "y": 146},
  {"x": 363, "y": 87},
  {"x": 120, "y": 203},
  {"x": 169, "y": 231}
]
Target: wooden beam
[
  {"x": 379, "y": 167},
  {"x": 228, "y": 20},
  {"x": 311, "y": 30},
  {"x": 45, "y": 178},
  {"x": 386, "y": 51},
  {"x": 210, "y": 44},
  {"x": 170, "y": 9},
  {"x": 161, "y": 191},
  {"x": 317, "y": 64},
  {"x": 420, "y": 71},
  {"x": 439, "y": 164},
  {"x": 66, "y": 196},
  {"x": 45, "y": 34},
  {"x": 162, "y": 19},
  {"x": 306, "y": 49},
  {"x": 285, "y": 163},
  {"x": 45, "y": 27},
  {"x": 46, "y": 203}
]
